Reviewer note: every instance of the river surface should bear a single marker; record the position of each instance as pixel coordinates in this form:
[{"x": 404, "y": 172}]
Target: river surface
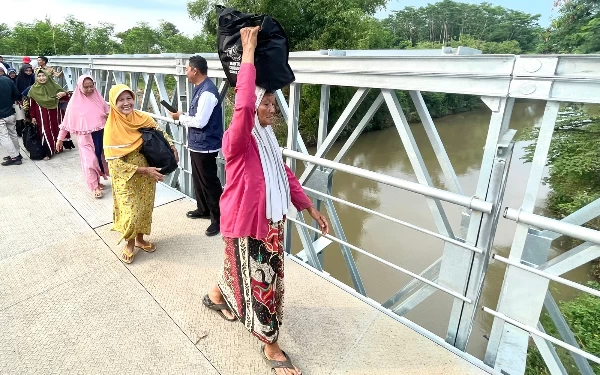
[{"x": 382, "y": 151}]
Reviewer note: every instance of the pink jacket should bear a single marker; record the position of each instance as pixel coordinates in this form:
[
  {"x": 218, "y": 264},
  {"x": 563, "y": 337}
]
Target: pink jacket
[{"x": 243, "y": 203}]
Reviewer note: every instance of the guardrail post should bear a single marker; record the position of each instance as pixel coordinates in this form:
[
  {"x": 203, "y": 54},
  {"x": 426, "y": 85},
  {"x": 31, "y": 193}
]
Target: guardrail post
[{"x": 507, "y": 348}]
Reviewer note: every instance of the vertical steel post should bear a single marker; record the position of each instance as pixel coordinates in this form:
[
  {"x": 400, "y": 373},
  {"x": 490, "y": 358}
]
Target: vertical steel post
[
  {"x": 457, "y": 264},
  {"x": 292, "y": 141},
  {"x": 507, "y": 347}
]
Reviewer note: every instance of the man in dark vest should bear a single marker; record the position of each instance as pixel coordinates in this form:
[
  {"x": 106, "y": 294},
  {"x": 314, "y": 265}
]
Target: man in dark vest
[{"x": 205, "y": 134}]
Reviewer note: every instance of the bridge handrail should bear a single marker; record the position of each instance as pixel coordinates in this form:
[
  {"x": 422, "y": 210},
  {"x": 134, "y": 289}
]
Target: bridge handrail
[
  {"x": 533, "y": 331},
  {"x": 473, "y": 203},
  {"x": 571, "y": 230},
  {"x": 381, "y": 260},
  {"x": 393, "y": 219},
  {"x": 547, "y": 77}
]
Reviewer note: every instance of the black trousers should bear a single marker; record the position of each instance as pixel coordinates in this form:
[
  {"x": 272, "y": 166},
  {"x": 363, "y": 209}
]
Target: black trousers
[{"x": 207, "y": 186}]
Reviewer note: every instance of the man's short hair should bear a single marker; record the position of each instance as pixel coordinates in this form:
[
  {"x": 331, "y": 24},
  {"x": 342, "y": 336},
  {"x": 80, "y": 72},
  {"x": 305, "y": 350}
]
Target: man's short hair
[
  {"x": 43, "y": 58},
  {"x": 199, "y": 63}
]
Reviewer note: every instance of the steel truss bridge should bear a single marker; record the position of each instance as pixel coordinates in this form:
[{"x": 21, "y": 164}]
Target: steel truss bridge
[{"x": 460, "y": 272}]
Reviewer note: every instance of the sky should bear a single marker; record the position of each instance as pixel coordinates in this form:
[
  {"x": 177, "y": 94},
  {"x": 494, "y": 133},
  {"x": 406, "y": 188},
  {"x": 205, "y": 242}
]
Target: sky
[
  {"x": 543, "y": 7},
  {"x": 124, "y": 14}
]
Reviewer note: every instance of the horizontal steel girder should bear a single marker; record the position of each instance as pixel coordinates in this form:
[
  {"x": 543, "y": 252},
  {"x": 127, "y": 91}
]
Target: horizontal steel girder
[{"x": 558, "y": 78}]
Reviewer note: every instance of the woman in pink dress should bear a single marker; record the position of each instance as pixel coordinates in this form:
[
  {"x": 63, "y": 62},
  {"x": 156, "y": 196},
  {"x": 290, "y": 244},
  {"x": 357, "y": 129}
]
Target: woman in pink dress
[
  {"x": 85, "y": 117},
  {"x": 260, "y": 189}
]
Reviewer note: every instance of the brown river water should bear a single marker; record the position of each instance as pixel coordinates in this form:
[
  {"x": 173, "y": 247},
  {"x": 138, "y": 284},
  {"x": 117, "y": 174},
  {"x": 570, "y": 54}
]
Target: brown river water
[{"x": 382, "y": 151}]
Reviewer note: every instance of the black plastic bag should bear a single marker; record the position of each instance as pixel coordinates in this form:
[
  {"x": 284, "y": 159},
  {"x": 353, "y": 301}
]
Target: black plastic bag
[
  {"x": 33, "y": 143},
  {"x": 273, "y": 71},
  {"x": 157, "y": 150},
  {"x": 19, "y": 127}
]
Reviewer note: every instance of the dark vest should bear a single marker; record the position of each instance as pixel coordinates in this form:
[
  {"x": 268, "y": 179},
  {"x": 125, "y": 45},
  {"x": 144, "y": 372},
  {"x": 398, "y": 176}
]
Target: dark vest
[{"x": 209, "y": 137}]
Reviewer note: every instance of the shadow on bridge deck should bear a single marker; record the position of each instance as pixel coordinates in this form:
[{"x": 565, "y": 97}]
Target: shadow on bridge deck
[{"x": 68, "y": 305}]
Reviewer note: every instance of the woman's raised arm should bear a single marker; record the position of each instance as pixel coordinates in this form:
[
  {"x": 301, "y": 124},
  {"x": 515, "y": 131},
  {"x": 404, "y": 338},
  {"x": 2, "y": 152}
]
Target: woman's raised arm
[{"x": 240, "y": 129}]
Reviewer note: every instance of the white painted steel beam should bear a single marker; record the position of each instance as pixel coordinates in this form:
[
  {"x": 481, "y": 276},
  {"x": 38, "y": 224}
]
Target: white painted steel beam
[
  {"x": 416, "y": 160},
  {"x": 575, "y": 231},
  {"x": 548, "y": 276},
  {"x": 507, "y": 345},
  {"x": 538, "y": 333},
  {"x": 387, "y": 263},
  {"x": 557, "y": 78},
  {"x": 572, "y": 259},
  {"x": 431, "y": 192}
]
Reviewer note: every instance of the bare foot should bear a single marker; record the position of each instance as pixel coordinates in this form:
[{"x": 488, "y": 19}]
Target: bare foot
[
  {"x": 273, "y": 352},
  {"x": 217, "y": 298},
  {"x": 101, "y": 186},
  {"x": 47, "y": 158}
]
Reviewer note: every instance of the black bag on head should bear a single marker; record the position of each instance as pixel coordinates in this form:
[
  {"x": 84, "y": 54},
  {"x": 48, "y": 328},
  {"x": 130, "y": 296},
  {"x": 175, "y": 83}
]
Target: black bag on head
[
  {"x": 157, "y": 150},
  {"x": 273, "y": 71},
  {"x": 33, "y": 143}
]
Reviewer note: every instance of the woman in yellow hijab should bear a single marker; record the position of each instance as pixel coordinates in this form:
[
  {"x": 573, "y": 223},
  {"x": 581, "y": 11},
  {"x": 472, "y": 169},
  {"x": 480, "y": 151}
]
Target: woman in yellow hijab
[{"x": 133, "y": 181}]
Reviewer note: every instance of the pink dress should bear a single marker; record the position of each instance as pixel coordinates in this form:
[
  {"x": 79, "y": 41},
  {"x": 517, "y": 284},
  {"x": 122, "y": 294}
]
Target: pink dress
[
  {"x": 85, "y": 117},
  {"x": 243, "y": 203},
  {"x": 90, "y": 163}
]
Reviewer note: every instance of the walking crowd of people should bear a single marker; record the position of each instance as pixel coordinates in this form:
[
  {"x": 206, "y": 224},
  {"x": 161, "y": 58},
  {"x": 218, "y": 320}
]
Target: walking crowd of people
[{"x": 249, "y": 212}]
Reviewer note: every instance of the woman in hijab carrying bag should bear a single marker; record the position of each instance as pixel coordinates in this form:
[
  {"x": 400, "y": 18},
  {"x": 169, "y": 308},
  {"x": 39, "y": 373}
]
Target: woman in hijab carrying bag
[
  {"x": 85, "y": 117},
  {"x": 44, "y": 97},
  {"x": 133, "y": 180},
  {"x": 259, "y": 190}
]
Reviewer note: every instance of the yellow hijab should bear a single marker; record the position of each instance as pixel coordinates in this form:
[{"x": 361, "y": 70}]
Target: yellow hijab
[{"x": 121, "y": 135}]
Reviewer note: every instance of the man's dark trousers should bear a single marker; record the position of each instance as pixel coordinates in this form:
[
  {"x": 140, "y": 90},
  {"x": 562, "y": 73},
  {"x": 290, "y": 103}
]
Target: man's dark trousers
[{"x": 207, "y": 186}]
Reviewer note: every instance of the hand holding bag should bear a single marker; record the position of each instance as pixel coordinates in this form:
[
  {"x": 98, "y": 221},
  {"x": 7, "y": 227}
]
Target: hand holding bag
[
  {"x": 19, "y": 112},
  {"x": 157, "y": 150},
  {"x": 273, "y": 71}
]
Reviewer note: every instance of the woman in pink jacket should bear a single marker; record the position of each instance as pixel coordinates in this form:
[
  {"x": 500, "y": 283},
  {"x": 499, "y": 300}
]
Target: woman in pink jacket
[{"x": 254, "y": 203}]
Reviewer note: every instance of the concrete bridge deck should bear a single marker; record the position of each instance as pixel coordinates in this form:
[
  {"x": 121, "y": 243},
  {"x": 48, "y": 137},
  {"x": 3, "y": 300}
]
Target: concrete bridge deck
[{"x": 68, "y": 305}]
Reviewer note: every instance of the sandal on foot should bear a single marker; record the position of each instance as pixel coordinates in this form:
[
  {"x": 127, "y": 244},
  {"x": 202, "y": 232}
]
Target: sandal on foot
[
  {"x": 206, "y": 301},
  {"x": 98, "y": 194},
  {"x": 150, "y": 248},
  {"x": 127, "y": 257},
  {"x": 278, "y": 364}
]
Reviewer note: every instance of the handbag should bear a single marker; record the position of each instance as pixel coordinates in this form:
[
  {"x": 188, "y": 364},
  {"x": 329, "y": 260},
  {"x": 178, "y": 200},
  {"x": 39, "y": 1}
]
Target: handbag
[
  {"x": 19, "y": 112},
  {"x": 33, "y": 143},
  {"x": 273, "y": 71},
  {"x": 157, "y": 150}
]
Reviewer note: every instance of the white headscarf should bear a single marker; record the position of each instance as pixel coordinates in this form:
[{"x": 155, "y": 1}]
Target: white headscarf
[{"x": 276, "y": 181}]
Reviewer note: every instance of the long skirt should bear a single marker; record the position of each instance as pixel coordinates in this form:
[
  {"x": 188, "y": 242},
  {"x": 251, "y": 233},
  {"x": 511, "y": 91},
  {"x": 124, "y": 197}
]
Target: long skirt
[
  {"x": 92, "y": 158},
  {"x": 252, "y": 281},
  {"x": 133, "y": 196},
  {"x": 47, "y": 125}
]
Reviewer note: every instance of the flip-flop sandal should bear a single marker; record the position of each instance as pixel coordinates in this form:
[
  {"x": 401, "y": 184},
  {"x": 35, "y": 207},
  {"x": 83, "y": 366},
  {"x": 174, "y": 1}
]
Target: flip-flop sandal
[
  {"x": 127, "y": 257},
  {"x": 217, "y": 307},
  {"x": 278, "y": 364},
  {"x": 98, "y": 194},
  {"x": 150, "y": 248}
]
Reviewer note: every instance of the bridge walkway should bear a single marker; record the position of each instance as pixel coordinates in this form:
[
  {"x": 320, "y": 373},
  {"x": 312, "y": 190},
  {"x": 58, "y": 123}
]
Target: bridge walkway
[{"x": 68, "y": 305}]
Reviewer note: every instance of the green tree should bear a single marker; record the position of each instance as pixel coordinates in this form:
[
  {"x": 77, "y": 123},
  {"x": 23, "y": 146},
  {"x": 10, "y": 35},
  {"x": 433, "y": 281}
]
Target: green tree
[
  {"x": 575, "y": 30},
  {"x": 304, "y": 20},
  {"x": 448, "y": 21},
  {"x": 139, "y": 39},
  {"x": 583, "y": 317},
  {"x": 574, "y": 171}
]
